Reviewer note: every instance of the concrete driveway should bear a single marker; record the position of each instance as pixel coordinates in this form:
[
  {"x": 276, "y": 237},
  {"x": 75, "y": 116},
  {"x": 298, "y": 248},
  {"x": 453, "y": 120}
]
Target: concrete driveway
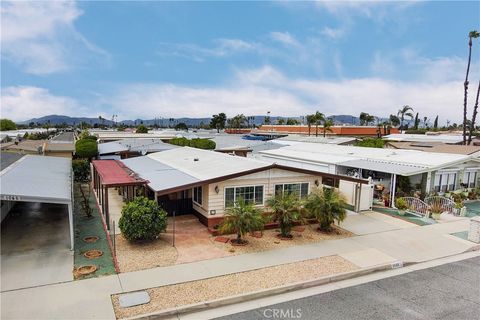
[{"x": 35, "y": 246}]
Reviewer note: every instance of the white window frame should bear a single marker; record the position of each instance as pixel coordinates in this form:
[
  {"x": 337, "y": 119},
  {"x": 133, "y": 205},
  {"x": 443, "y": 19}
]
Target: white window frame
[
  {"x": 195, "y": 195},
  {"x": 442, "y": 179},
  {"x": 299, "y": 183},
  {"x": 235, "y": 194},
  {"x": 467, "y": 178}
]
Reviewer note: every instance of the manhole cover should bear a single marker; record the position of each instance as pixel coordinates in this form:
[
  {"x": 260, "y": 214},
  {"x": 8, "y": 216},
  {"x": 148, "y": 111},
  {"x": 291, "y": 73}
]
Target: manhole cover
[
  {"x": 84, "y": 270},
  {"x": 92, "y": 254},
  {"x": 90, "y": 239}
]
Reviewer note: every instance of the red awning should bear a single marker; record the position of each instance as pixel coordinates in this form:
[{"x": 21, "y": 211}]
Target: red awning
[{"x": 115, "y": 173}]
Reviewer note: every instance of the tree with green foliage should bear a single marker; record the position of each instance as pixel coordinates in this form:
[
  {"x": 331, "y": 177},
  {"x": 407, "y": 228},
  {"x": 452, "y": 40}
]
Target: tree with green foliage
[
  {"x": 81, "y": 170},
  {"x": 327, "y": 126},
  {"x": 86, "y": 148},
  {"x": 371, "y": 143},
  {"x": 142, "y": 219},
  {"x": 238, "y": 121},
  {"x": 280, "y": 121},
  {"x": 405, "y": 111},
  {"x": 416, "y": 122},
  {"x": 218, "y": 121},
  {"x": 241, "y": 219},
  {"x": 7, "y": 124},
  {"x": 319, "y": 118},
  {"x": 199, "y": 143},
  {"x": 471, "y": 35},
  {"x": 394, "y": 120},
  {"x": 366, "y": 118},
  {"x": 292, "y": 122},
  {"x": 311, "y": 119},
  {"x": 286, "y": 210},
  {"x": 141, "y": 129},
  {"x": 327, "y": 205},
  {"x": 182, "y": 126}
]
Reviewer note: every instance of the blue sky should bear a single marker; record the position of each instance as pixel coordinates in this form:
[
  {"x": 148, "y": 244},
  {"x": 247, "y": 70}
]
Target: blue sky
[{"x": 173, "y": 59}]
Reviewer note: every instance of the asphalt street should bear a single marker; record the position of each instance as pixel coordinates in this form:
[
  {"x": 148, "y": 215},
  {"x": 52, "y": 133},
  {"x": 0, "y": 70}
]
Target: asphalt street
[{"x": 450, "y": 291}]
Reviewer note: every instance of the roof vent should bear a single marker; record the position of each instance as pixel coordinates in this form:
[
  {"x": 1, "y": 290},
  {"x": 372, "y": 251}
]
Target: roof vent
[{"x": 196, "y": 159}]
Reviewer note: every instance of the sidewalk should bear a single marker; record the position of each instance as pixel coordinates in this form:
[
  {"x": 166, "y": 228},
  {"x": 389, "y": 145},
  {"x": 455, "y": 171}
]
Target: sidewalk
[{"x": 91, "y": 298}]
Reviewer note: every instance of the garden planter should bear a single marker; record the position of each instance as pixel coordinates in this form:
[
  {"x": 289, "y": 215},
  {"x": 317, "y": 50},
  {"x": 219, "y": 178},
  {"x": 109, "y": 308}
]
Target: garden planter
[
  {"x": 401, "y": 212},
  {"x": 436, "y": 215},
  {"x": 463, "y": 212},
  {"x": 92, "y": 254},
  {"x": 90, "y": 239}
]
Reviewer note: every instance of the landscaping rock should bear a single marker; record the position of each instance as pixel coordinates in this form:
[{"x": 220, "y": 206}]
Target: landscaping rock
[{"x": 222, "y": 239}]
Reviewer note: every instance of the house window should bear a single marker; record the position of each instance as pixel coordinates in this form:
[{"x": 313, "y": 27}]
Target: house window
[
  {"x": 251, "y": 194},
  {"x": 197, "y": 195},
  {"x": 470, "y": 179},
  {"x": 445, "y": 182},
  {"x": 299, "y": 188}
]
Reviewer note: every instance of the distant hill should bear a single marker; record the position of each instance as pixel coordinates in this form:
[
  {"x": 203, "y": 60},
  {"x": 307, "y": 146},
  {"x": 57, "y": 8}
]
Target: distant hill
[{"x": 165, "y": 122}]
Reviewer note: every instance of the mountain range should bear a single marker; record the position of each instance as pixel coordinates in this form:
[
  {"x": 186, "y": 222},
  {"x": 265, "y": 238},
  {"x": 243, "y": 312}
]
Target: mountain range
[{"x": 164, "y": 122}]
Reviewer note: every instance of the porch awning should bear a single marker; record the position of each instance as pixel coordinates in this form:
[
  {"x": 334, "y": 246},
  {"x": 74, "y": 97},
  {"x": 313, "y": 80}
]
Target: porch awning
[
  {"x": 385, "y": 166},
  {"x": 115, "y": 173}
]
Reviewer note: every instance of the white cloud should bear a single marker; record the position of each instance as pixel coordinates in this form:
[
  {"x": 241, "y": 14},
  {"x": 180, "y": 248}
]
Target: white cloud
[
  {"x": 251, "y": 92},
  {"x": 41, "y": 38},
  {"x": 23, "y": 102},
  {"x": 333, "y": 33},
  {"x": 284, "y": 38}
]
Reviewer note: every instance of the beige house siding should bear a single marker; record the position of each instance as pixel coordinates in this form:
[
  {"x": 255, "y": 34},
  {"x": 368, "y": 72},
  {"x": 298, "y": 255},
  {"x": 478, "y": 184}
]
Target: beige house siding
[
  {"x": 204, "y": 207},
  {"x": 268, "y": 179}
]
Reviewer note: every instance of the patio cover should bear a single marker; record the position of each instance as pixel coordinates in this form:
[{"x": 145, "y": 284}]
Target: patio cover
[
  {"x": 39, "y": 179},
  {"x": 115, "y": 173},
  {"x": 384, "y": 166}
]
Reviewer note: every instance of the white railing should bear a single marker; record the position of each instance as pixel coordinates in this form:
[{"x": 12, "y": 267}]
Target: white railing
[
  {"x": 417, "y": 207},
  {"x": 446, "y": 204}
]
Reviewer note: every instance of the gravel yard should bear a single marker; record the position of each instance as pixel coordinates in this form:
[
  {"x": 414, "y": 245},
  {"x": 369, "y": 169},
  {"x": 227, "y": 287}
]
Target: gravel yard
[
  {"x": 146, "y": 255},
  {"x": 167, "y": 297},
  {"x": 269, "y": 240}
]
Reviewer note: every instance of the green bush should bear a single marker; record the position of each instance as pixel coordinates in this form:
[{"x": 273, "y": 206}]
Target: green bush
[
  {"x": 371, "y": 143},
  {"x": 401, "y": 204},
  {"x": 199, "y": 143},
  {"x": 142, "y": 219},
  {"x": 86, "y": 148},
  {"x": 141, "y": 129},
  {"x": 7, "y": 124},
  {"x": 81, "y": 170}
]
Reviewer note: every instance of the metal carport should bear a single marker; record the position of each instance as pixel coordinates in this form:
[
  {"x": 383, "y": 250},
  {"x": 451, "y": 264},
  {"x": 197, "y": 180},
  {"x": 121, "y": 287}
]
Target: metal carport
[{"x": 40, "y": 179}]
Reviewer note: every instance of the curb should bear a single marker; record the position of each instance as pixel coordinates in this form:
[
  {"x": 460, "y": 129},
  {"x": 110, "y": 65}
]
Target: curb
[{"x": 264, "y": 293}]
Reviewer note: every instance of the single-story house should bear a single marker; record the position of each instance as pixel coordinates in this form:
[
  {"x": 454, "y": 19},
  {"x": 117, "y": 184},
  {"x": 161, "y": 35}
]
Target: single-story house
[
  {"x": 132, "y": 147},
  {"x": 431, "y": 137},
  {"x": 347, "y": 130},
  {"x": 206, "y": 183},
  {"x": 110, "y": 135},
  {"x": 427, "y": 173},
  {"x": 437, "y": 147}
]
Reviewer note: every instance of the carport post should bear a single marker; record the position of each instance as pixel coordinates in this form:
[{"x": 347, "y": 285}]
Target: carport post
[
  {"x": 70, "y": 222},
  {"x": 107, "y": 215}
]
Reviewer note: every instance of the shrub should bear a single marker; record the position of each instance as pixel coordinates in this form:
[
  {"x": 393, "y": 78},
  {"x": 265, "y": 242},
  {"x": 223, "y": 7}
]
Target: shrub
[
  {"x": 242, "y": 218},
  {"x": 199, "y": 143},
  {"x": 327, "y": 206},
  {"x": 286, "y": 210},
  {"x": 86, "y": 148},
  {"x": 142, "y": 219},
  {"x": 401, "y": 204},
  {"x": 7, "y": 124},
  {"x": 141, "y": 129},
  {"x": 371, "y": 143},
  {"x": 81, "y": 170}
]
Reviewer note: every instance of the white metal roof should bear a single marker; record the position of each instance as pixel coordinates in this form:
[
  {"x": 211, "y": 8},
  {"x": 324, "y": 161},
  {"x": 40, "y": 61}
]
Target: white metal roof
[
  {"x": 294, "y": 139},
  {"x": 404, "y": 162},
  {"x": 38, "y": 179},
  {"x": 135, "y": 145},
  {"x": 445, "y": 138},
  {"x": 205, "y": 164}
]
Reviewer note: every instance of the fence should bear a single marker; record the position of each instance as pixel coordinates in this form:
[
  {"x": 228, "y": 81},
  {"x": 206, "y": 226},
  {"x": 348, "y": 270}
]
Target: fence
[
  {"x": 417, "y": 207},
  {"x": 446, "y": 204}
]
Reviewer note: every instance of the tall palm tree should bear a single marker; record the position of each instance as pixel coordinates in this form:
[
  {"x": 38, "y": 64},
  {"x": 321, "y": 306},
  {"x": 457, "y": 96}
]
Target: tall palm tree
[
  {"x": 471, "y": 35},
  {"x": 405, "y": 111},
  {"x": 319, "y": 118},
  {"x": 286, "y": 210},
  {"x": 327, "y": 126},
  {"x": 242, "y": 218},
  {"x": 310, "y": 120},
  {"x": 474, "y": 116},
  {"x": 327, "y": 206},
  {"x": 416, "y": 122}
]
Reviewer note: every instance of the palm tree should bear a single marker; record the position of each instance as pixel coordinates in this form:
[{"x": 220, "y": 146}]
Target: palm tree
[
  {"x": 327, "y": 206},
  {"x": 416, "y": 122},
  {"x": 319, "y": 118},
  {"x": 474, "y": 116},
  {"x": 394, "y": 120},
  {"x": 471, "y": 35},
  {"x": 425, "y": 122},
  {"x": 242, "y": 218},
  {"x": 327, "y": 126},
  {"x": 286, "y": 210},
  {"x": 404, "y": 112},
  {"x": 310, "y": 120}
]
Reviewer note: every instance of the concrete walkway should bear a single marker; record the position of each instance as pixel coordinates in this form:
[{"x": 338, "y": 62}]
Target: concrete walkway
[{"x": 91, "y": 298}]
